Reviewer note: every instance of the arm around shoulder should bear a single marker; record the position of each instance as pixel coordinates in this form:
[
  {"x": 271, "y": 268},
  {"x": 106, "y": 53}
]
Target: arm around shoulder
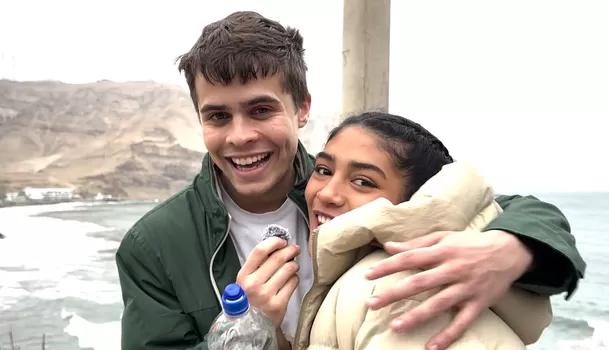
[
  {"x": 544, "y": 229},
  {"x": 344, "y": 321},
  {"x": 153, "y": 318},
  {"x": 487, "y": 332}
]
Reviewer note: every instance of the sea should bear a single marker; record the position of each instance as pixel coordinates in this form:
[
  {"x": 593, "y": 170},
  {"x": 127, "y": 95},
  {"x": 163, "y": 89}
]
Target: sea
[{"x": 58, "y": 276}]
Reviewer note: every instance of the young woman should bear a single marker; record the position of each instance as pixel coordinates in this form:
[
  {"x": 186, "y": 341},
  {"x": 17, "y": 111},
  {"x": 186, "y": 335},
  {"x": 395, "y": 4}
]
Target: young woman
[{"x": 385, "y": 178}]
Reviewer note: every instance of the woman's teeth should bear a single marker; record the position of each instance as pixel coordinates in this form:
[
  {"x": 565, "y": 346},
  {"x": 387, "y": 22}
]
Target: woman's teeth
[{"x": 323, "y": 219}]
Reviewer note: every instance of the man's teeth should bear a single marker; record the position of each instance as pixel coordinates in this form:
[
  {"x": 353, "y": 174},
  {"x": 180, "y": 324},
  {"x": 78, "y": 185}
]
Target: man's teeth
[
  {"x": 323, "y": 219},
  {"x": 249, "y": 160}
]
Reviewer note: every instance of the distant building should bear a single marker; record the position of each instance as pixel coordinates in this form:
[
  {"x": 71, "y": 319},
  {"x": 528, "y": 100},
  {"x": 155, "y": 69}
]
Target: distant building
[
  {"x": 103, "y": 197},
  {"x": 39, "y": 194},
  {"x": 11, "y": 196}
]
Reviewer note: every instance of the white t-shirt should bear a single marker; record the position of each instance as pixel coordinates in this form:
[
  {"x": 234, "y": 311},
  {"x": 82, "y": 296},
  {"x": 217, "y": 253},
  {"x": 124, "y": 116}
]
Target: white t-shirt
[{"x": 246, "y": 230}]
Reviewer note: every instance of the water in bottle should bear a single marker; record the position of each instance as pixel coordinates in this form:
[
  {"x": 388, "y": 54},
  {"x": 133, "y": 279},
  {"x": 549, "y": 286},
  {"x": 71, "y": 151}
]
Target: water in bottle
[{"x": 240, "y": 326}]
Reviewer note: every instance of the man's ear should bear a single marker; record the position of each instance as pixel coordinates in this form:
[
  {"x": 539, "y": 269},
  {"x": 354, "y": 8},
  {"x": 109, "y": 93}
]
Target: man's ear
[{"x": 303, "y": 112}]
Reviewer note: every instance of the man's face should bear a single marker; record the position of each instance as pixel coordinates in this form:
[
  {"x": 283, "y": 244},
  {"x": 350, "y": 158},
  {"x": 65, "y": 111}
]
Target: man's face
[{"x": 251, "y": 133}]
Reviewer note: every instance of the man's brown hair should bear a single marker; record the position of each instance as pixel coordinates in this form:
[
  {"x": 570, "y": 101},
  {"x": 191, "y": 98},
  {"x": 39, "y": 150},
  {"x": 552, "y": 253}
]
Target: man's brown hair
[{"x": 246, "y": 45}]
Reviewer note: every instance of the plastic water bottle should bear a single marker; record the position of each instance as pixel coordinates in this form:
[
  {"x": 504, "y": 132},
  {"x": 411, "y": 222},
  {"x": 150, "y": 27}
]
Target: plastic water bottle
[{"x": 240, "y": 326}]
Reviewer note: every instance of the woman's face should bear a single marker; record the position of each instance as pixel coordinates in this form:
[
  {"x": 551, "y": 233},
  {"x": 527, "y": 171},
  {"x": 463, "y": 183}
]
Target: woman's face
[{"x": 351, "y": 171}]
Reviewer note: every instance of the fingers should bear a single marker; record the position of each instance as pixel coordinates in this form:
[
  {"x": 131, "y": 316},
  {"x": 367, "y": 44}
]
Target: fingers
[
  {"x": 407, "y": 260},
  {"x": 430, "y": 308},
  {"x": 463, "y": 320},
  {"x": 421, "y": 242},
  {"x": 284, "y": 294},
  {"x": 273, "y": 272},
  {"x": 415, "y": 284},
  {"x": 282, "y": 276},
  {"x": 269, "y": 277},
  {"x": 261, "y": 252},
  {"x": 276, "y": 262},
  {"x": 275, "y": 306}
]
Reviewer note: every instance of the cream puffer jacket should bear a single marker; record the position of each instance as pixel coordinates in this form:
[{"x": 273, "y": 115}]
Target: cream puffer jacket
[{"x": 334, "y": 314}]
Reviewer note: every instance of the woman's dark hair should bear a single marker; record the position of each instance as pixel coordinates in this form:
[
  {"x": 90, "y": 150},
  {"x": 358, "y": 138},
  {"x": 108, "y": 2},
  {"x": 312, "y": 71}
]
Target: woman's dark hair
[{"x": 415, "y": 152}]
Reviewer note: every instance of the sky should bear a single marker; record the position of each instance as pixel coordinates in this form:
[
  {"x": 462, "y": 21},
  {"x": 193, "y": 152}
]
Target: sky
[{"x": 518, "y": 88}]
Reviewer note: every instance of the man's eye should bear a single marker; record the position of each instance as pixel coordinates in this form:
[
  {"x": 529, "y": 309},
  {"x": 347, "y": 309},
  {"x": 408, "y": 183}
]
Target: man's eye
[
  {"x": 218, "y": 116},
  {"x": 260, "y": 110}
]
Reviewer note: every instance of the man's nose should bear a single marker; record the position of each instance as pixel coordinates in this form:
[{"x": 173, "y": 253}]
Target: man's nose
[{"x": 242, "y": 132}]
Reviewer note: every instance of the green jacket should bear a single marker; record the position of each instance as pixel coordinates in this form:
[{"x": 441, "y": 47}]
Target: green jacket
[{"x": 176, "y": 260}]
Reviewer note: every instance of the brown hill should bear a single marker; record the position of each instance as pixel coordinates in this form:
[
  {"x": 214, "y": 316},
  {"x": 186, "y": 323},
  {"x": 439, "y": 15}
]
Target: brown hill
[{"x": 138, "y": 140}]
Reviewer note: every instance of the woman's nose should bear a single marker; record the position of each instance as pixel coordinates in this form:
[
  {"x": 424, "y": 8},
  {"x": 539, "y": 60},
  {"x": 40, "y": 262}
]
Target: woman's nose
[{"x": 331, "y": 195}]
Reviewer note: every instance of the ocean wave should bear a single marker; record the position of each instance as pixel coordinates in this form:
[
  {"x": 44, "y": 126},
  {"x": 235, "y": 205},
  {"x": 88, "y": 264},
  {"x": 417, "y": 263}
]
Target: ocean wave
[
  {"x": 30, "y": 210},
  {"x": 99, "y": 336},
  {"x": 52, "y": 259},
  {"x": 10, "y": 291},
  {"x": 571, "y": 323},
  {"x": 49, "y": 251},
  {"x": 598, "y": 341}
]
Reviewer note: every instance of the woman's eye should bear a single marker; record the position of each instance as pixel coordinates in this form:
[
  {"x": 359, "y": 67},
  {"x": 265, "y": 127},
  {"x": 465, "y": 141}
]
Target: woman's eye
[
  {"x": 322, "y": 171},
  {"x": 364, "y": 183}
]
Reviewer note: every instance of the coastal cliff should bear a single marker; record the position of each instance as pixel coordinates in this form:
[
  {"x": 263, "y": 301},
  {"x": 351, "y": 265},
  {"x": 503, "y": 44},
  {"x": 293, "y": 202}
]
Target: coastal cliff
[{"x": 136, "y": 140}]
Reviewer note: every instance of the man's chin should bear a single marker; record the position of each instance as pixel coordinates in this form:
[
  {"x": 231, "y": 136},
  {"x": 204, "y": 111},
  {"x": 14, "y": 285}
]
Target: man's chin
[
  {"x": 252, "y": 191},
  {"x": 245, "y": 189},
  {"x": 235, "y": 184}
]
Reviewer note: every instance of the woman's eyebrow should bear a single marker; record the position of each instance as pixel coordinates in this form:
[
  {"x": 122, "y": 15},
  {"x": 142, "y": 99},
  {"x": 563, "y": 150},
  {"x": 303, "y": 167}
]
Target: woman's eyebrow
[
  {"x": 325, "y": 156},
  {"x": 353, "y": 164},
  {"x": 366, "y": 166}
]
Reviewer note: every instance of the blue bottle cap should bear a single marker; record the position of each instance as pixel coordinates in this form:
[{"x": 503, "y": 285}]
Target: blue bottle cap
[{"x": 234, "y": 300}]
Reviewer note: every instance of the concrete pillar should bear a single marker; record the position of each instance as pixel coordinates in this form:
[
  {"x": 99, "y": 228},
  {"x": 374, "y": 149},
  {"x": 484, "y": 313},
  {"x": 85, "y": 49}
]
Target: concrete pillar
[{"x": 366, "y": 33}]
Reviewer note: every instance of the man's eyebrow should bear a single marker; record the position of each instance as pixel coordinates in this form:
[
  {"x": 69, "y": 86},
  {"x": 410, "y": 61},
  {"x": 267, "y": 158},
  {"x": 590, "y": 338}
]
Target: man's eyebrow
[
  {"x": 253, "y": 101},
  {"x": 260, "y": 99},
  {"x": 213, "y": 108}
]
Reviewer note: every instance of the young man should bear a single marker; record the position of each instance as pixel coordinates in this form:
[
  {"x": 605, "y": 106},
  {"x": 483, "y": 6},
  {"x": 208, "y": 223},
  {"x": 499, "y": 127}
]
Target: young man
[{"x": 247, "y": 79}]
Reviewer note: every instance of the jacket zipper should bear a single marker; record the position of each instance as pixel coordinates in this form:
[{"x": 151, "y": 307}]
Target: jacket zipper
[
  {"x": 306, "y": 218},
  {"x": 302, "y": 302}
]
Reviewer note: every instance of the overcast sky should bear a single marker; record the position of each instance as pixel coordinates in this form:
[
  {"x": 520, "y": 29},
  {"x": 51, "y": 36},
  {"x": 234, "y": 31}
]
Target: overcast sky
[{"x": 520, "y": 88}]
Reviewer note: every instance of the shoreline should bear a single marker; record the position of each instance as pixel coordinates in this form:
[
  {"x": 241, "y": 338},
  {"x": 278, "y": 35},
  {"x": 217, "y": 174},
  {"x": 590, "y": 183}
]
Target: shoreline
[{"x": 50, "y": 202}]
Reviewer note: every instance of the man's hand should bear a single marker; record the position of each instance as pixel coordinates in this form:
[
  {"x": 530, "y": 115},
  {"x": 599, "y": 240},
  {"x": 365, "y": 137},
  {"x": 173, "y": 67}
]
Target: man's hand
[
  {"x": 269, "y": 278},
  {"x": 475, "y": 270}
]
